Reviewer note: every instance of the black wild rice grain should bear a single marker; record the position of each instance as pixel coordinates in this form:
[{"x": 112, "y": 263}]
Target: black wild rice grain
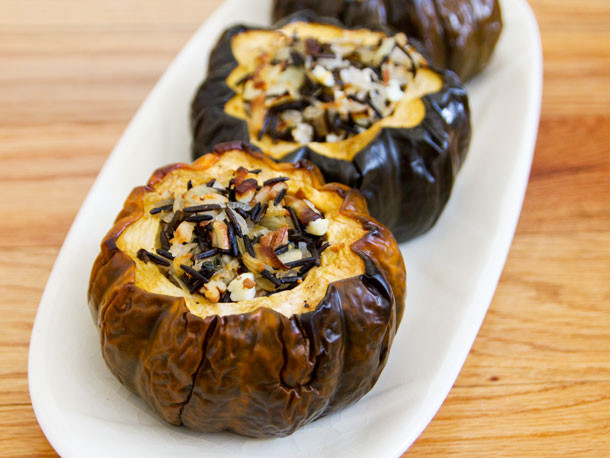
[
  {"x": 206, "y": 254},
  {"x": 348, "y": 128},
  {"x": 314, "y": 253},
  {"x": 294, "y": 105},
  {"x": 356, "y": 63},
  {"x": 280, "y": 196},
  {"x": 282, "y": 249},
  {"x": 243, "y": 79},
  {"x": 200, "y": 242},
  {"x": 310, "y": 88},
  {"x": 243, "y": 213},
  {"x": 165, "y": 254},
  {"x": 186, "y": 279},
  {"x": 312, "y": 47},
  {"x": 207, "y": 270},
  {"x": 326, "y": 97},
  {"x": 142, "y": 255},
  {"x": 202, "y": 231},
  {"x": 272, "y": 278},
  {"x": 266, "y": 124},
  {"x": 189, "y": 185},
  {"x": 162, "y": 208},
  {"x": 254, "y": 210},
  {"x": 323, "y": 247},
  {"x": 295, "y": 236},
  {"x": 338, "y": 79},
  {"x": 306, "y": 268},
  {"x": 273, "y": 133},
  {"x": 174, "y": 223},
  {"x": 301, "y": 262},
  {"x": 248, "y": 246},
  {"x": 242, "y": 267},
  {"x": 291, "y": 280},
  {"x": 202, "y": 208},
  {"x": 255, "y": 171},
  {"x": 195, "y": 286},
  {"x": 199, "y": 218},
  {"x": 211, "y": 183},
  {"x": 275, "y": 180},
  {"x": 232, "y": 240},
  {"x": 295, "y": 220},
  {"x": 369, "y": 102},
  {"x": 157, "y": 259},
  {"x": 193, "y": 273},
  {"x": 297, "y": 58},
  {"x": 260, "y": 214},
  {"x": 164, "y": 240},
  {"x": 234, "y": 222}
]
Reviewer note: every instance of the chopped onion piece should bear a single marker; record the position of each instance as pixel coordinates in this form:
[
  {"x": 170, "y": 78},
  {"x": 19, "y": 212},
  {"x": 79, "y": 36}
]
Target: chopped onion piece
[
  {"x": 292, "y": 116},
  {"x": 243, "y": 205},
  {"x": 303, "y": 133},
  {"x": 317, "y": 227},
  {"x": 290, "y": 255},
  {"x": 184, "y": 232},
  {"x": 323, "y": 76},
  {"x": 393, "y": 91}
]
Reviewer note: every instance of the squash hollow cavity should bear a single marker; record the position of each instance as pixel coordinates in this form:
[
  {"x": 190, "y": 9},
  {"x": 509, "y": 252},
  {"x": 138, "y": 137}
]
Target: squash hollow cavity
[{"x": 233, "y": 237}]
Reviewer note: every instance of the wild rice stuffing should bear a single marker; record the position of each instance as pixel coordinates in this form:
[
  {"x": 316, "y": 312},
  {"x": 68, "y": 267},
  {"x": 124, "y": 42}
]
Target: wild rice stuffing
[
  {"x": 237, "y": 243},
  {"x": 326, "y": 92}
]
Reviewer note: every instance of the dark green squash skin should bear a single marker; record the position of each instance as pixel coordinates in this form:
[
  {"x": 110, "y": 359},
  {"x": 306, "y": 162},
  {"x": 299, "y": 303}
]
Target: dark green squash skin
[
  {"x": 259, "y": 374},
  {"x": 459, "y": 35},
  {"x": 406, "y": 175}
]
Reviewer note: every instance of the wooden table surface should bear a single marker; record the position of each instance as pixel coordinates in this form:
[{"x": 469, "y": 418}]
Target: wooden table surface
[{"x": 537, "y": 381}]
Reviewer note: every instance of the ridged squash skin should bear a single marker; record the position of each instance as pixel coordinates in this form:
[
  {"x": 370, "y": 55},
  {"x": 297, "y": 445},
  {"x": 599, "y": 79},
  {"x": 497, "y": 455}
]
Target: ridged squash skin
[{"x": 258, "y": 373}]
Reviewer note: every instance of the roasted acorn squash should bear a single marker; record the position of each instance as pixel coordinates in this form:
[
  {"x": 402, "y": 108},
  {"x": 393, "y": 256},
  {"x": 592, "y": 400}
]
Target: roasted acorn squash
[
  {"x": 258, "y": 366},
  {"x": 459, "y": 35},
  {"x": 376, "y": 118}
]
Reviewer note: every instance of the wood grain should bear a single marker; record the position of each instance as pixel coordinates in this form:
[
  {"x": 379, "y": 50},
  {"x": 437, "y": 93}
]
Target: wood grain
[{"x": 537, "y": 382}]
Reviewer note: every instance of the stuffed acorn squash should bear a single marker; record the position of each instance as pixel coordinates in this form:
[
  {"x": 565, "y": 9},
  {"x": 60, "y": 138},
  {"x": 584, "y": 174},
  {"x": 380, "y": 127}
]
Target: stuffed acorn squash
[
  {"x": 243, "y": 295},
  {"x": 364, "y": 107},
  {"x": 459, "y": 35}
]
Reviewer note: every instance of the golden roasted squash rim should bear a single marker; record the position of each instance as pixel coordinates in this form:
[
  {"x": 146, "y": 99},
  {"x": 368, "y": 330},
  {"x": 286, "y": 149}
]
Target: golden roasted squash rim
[
  {"x": 353, "y": 207},
  {"x": 410, "y": 110}
]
